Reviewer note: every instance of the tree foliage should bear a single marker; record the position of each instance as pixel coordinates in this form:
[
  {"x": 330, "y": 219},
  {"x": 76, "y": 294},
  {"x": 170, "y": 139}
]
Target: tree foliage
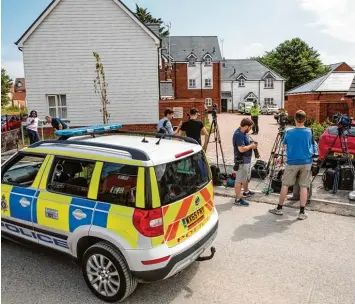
[
  {"x": 101, "y": 85},
  {"x": 296, "y": 61},
  {"x": 6, "y": 83},
  {"x": 146, "y": 17}
]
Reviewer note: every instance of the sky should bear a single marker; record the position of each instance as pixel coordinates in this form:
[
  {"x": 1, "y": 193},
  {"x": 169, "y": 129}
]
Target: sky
[{"x": 245, "y": 28}]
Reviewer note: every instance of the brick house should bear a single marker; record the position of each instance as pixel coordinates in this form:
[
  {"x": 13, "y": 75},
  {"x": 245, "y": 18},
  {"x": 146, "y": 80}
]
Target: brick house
[
  {"x": 325, "y": 96},
  {"x": 190, "y": 65},
  {"x": 351, "y": 96},
  {"x": 19, "y": 93}
]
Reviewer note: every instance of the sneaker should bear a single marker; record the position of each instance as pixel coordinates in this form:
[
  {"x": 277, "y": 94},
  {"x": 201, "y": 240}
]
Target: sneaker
[
  {"x": 248, "y": 194},
  {"x": 302, "y": 216},
  {"x": 276, "y": 211},
  {"x": 241, "y": 202}
]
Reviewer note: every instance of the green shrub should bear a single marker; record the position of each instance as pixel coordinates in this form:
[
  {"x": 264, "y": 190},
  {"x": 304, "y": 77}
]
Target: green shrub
[{"x": 319, "y": 128}]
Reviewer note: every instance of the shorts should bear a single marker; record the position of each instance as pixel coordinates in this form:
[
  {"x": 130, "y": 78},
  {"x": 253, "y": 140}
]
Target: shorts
[
  {"x": 291, "y": 172},
  {"x": 243, "y": 174}
]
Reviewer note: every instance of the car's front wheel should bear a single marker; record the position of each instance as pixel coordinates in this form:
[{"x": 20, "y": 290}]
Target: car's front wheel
[{"x": 106, "y": 273}]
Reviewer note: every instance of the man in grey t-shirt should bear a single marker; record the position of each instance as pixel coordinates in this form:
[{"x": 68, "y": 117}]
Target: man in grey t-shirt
[{"x": 164, "y": 125}]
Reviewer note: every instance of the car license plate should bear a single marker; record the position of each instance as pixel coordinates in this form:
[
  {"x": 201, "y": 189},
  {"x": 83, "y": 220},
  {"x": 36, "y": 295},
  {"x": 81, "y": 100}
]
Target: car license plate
[
  {"x": 343, "y": 155},
  {"x": 194, "y": 217}
]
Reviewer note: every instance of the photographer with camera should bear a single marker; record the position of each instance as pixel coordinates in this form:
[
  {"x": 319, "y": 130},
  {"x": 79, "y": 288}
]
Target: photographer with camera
[
  {"x": 300, "y": 148},
  {"x": 243, "y": 149},
  {"x": 193, "y": 127}
]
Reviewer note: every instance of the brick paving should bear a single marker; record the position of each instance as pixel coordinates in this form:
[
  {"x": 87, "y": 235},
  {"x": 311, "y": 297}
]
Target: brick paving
[{"x": 228, "y": 123}]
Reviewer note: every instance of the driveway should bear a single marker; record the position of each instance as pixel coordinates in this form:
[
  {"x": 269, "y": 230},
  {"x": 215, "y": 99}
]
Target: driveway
[
  {"x": 261, "y": 258},
  {"x": 228, "y": 123}
]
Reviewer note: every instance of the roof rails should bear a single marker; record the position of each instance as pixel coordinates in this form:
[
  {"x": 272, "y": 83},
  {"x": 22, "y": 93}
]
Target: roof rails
[
  {"x": 136, "y": 154},
  {"x": 159, "y": 135}
]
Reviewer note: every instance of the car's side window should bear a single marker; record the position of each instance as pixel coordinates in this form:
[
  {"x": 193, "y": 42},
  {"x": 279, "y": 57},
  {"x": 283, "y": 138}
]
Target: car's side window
[
  {"x": 70, "y": 176},
  {"x": 22, "y": 170},
  {"x": 118, "y": 184}
]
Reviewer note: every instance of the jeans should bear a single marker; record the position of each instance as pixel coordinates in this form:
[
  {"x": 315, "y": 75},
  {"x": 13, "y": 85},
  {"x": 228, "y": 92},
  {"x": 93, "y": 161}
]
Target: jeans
[
  {"x": 255, "y": 120},
  {"x": 33, "y": 135}
]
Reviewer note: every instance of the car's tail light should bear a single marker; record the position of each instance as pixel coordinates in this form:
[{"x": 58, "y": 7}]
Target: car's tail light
[{"x": 149, "y": 222}]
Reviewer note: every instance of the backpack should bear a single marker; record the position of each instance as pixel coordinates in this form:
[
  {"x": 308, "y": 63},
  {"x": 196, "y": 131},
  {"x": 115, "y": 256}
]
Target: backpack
[{"x": 163, "y": 130}]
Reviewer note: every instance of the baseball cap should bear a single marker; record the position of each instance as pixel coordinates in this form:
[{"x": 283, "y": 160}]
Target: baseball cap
[{"x": 194, "y": 111}]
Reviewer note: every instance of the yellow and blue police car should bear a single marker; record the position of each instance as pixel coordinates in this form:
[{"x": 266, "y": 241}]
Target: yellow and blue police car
[{"x": 129, "y": 207}]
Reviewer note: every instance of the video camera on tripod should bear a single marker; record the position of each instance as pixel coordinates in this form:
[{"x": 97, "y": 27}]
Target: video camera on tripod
[
  {"x": 342, "y": 121},
  {"x": 214, "y": 111}
]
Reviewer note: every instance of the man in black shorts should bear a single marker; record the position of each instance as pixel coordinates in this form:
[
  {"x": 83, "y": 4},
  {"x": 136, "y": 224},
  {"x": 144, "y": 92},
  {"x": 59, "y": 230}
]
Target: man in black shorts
[{"x": 193, "y": 127}]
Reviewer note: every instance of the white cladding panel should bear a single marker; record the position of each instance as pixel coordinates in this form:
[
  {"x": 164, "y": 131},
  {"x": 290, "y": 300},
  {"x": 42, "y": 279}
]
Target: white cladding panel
[{"x": 58, "y": 59}]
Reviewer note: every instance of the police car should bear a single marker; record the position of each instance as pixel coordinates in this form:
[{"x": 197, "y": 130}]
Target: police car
[{"x": 130, "y": 208}]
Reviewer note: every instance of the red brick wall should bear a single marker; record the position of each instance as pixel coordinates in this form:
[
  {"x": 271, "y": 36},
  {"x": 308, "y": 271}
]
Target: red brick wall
[
  {"x": 319, "y": 106},
  {"x": 344, "y": 68},
  {"x": 187, "y": 104},
  {"x": 180, "y": 83}
]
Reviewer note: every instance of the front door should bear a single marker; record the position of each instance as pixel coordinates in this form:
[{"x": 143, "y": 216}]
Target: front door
[
  {"x": 20, "y": 179},
  {"x": 224, "y": 105}
]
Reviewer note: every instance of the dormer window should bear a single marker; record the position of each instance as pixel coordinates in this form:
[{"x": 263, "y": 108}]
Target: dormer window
[
  {"x": 242, "y": 82},
  {"x": 192, "y": 61},
  {"x": 269, "y": 83},
  {"x": 208, "y": 61}
]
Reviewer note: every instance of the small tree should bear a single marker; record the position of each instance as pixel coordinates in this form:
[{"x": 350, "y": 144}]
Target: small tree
[
  {"x": 6, "y": 83},
  {"x": 100, "y": 85}
]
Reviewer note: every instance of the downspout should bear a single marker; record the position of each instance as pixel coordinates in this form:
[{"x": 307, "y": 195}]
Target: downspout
[
  {"x": 232, "y": 96},
  {"x": 201, "y": 78},
  {"x": 159, "y": 58},
  {"x": 259, "y": 93}
]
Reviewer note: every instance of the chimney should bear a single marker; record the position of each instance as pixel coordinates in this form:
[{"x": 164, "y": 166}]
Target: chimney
[{"x": 154, "y": 27}]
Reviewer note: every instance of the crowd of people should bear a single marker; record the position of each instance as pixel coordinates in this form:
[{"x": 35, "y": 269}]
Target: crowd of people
[{"x": 298, "y": 142}]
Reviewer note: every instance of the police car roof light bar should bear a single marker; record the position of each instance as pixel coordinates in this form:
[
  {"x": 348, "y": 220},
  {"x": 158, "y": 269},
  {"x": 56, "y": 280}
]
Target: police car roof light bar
[
  {"x": 136, "y": 154},
  {"x": 99, "y": 129}
]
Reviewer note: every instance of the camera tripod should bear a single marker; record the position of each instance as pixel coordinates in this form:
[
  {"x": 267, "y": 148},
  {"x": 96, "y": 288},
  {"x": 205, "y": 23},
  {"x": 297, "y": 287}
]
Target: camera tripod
[
  {"x": 217, "y": 140},
  {"x": 276, "y": 151},
  {"x": 346, "y": 159}
]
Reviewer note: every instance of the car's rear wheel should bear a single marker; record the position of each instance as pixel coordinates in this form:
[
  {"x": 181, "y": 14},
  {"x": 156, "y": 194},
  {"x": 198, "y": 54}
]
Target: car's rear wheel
[{"x": 106, "y": 273}]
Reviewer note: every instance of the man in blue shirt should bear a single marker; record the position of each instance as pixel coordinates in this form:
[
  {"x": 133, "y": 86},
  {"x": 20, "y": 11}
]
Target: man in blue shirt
[
  {"x": 57, "y": 123},
  {"x": 243, "y": 150},
  {"x": 300, "y": 147}
]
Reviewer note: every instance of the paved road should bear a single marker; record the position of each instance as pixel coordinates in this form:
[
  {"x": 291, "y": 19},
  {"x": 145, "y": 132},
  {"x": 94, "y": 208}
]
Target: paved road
[{"x": 260, "y": 258}]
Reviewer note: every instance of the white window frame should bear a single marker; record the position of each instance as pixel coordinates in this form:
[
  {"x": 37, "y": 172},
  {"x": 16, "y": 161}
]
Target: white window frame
[
  {"x": 242, "y": 82},
  {"x": 208, "y": 83},
  {"x": 192, "y": 83},
  {"x": 192, "y": 61},
  {"x": 208, "y": 60},
  {"x": 269, "y": 83},
  {"x": 268, "y": 101},
  {"x": 58, "y": 105},
  {"x": 208, "y": 102}
]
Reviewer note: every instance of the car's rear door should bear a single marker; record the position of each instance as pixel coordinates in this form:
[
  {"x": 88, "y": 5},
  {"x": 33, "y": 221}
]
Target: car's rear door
[{"x": 186, "y": 195}]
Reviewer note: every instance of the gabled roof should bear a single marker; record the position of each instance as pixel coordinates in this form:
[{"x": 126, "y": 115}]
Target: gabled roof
[
  {"x": 269, "y": 75},
  {"x": 191, "y": 55},
  {"x": 182, "y": 46},
  {"x": 331, "y": 82},
  {"x": 334, "y": 66},
  {"x": 54, "y": 3},
  {"x": 351, "y": 92},
  {"x": 341, "y": 67},
  {"x": 207, "y": 55},
  {"x": 250, "y": 95},
  {"x": 252, "y": 69},
  {"x": 241, "y": 75}
]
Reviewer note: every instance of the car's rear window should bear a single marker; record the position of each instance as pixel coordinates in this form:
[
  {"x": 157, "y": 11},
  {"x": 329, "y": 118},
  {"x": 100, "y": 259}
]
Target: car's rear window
[
  {"x": 333, "y": 130},
  {"x": 182, "y": 178}
]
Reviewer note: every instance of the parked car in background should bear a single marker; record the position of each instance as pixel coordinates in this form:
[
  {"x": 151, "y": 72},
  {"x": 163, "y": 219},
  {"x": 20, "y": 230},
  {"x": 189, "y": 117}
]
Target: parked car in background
[
  {"x": 269, "y": 109},
  {"x": 326, "y": 141},
  {"x": 12, "y": 122}
]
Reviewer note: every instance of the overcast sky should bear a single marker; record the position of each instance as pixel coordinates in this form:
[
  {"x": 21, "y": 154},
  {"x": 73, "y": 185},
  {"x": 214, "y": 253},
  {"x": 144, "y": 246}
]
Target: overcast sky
[{"x": 248, "y": 28}]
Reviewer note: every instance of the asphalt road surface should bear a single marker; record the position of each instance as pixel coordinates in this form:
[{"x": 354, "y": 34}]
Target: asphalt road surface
[{"x": 261, "y": 258}]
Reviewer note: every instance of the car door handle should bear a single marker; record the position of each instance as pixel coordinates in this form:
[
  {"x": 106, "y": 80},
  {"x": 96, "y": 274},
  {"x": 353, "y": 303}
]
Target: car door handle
[
  {"x": 24, "y": 202},
  {"x": 78, "y": 214}
]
